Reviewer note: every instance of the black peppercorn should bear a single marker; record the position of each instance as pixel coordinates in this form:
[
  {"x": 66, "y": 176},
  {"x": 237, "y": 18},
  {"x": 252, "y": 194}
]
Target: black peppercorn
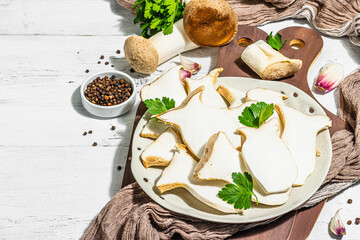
[{"x": 108, "y": 91}]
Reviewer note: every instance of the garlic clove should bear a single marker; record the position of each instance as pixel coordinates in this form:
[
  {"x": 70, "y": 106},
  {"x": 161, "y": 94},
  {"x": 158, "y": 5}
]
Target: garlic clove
[
  {"x": 184, "y": 74},
  {"x": 330, "y": 77},
  {"x": 189, "y": 65},
  {"x": 336, "y": 225}
]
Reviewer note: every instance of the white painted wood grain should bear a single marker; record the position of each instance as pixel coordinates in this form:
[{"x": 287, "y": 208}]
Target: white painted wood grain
[{"x": 52, "y": 181}]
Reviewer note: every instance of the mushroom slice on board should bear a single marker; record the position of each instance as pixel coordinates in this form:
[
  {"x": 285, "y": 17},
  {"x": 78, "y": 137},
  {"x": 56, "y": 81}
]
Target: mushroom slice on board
[
  {"x": 179, "y": 174},
  {"x": 153, "y": 129},
  {"x": 210, "y": 23},
  {"x": 268, "y": 158},
  {"x": 209, "y": 96},
  {"x": 265, "y": 95},
  {"x": 160, "y": 152},
  {"x": 268, "y": 63},
  {"x": 233, "y": 96},
  {"x": 167, "y": 85},
  {"x": 221, "y": 159},
  {"x": 299, "y": 134},
  {"x": 144, "y": 55},
  {"x": 196, "y": 122}
]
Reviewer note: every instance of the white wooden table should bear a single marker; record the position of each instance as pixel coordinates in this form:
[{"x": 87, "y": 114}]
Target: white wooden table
[{"x": 53, "y": 182}]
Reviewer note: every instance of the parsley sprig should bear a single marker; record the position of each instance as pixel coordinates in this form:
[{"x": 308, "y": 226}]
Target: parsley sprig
[
  {"x": 239, "y": 193},
  {"x": 256, "y": 114},
  {"x": 157, "y": 15},
  {"x": 157, "y": 106},
  {"x": 275, "y": 41}
]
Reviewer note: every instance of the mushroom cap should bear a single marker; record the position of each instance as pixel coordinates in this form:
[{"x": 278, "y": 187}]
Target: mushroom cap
[
  {"x": 210, "y": 23},
  {"x": 141, "y": 54}
]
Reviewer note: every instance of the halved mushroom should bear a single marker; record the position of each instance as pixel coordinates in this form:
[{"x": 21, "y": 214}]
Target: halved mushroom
[
  {"x": 221, "y": 159},
  {"x": 160, "y": 152},
  {"x": 196, "y": 122},
  {"x": 179, "y": 174},
  {"x": 210, "y": 23},
  {"x": 299, "y": 134},
  {"x": 167, "y": 85},
  {"x": 265, "y": 95},
  {"x": 274, "y": 157},
  {"x": 209, "y": 96}
]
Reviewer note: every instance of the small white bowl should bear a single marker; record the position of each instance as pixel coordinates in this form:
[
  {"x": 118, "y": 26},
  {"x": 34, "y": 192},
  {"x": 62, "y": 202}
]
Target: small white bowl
[{"x": 108, "y": 111}]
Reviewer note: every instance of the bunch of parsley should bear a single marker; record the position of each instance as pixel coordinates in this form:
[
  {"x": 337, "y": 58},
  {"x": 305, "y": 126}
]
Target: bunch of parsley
[{"x": 157, "y": 15}]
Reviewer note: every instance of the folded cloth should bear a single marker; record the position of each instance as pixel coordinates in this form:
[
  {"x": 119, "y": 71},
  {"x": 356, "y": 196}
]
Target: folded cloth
[
  {"x": 335, "y": 18},
  {"x": 131, "y": 214}
]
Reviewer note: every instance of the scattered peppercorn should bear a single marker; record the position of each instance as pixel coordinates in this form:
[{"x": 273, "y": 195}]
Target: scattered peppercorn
[
  {"x": 119, "y": 168},
  {"x": 77, "y": 52},
  {"x": 87, "y": 70},
  {"x": 90, "y": 132},
  {"x": 99, "y": 62},
  {"x": 71, "y": 82},
  {"x": 138, "y": 148},
  {"x": 112, "y": 65},
  {"x": 106, "y": 63},
  {"x": 357, "y": 221},
  {"x": 113, "y": 128},
  {"x": 108, "y": 91},
  {"x": 132, "y": 70},
  {"x": 349, "y": 222},
  {"x": 118, "y": 51},
  {"x": 94, "y": 144},
  {"x": 84, "y": 134},
  {"x": 102, "y": 57},
  {"x": 349, "y": 201}
]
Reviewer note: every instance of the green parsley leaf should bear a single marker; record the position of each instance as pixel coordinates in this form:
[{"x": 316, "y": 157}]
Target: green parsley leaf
[
  {"x": 239, "y": 193},
  {"x": 275, "y": 41},
  {"x": 157, "y": 15},
  {"x": 157, "y": 106},
  {"x": 256, "y": 114}
]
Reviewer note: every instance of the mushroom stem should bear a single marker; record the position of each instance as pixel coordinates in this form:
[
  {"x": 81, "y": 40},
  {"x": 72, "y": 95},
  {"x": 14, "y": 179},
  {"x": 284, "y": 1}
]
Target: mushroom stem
[
  {"x": 144, "y": 55},
  {"x": 268, "y": 63},
  {"x": 172, "y": 44}
]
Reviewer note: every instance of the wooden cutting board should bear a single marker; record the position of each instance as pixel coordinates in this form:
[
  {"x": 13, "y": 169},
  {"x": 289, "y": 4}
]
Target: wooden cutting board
[{"x": 296, "y": 224}]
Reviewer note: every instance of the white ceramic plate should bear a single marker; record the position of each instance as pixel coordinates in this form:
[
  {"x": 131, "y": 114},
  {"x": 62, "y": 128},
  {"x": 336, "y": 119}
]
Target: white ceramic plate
[{"x": 181, "y": 201}]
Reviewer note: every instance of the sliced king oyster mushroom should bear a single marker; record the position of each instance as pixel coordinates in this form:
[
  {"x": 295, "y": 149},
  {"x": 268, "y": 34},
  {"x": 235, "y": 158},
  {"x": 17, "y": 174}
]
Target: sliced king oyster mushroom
[
  {"x": 167, "y": 85},
  {"x": 233, "y": 96},
  {"x": 209, "y": 96},
  {"x": 179, "y": 174},
  {"x": 265, "y": 95},
  {"x": 221, "y": 159},
  {"x": 153, "y": 129},
  {"x": 160, "y": 152},
  {"x": 196, "y": 122},
  {"x": 268, "y": 158},
  {"x": 299, "y": 134}
]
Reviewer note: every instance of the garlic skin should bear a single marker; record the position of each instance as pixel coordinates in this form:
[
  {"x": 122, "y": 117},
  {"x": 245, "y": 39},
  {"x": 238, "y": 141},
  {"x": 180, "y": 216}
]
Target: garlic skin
[
  {"x": 184, "y": 74},
  {"x": 330, "y": 77},
  {"x": 189, "y": 65},
  {"x": 336, "y": 225}
]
